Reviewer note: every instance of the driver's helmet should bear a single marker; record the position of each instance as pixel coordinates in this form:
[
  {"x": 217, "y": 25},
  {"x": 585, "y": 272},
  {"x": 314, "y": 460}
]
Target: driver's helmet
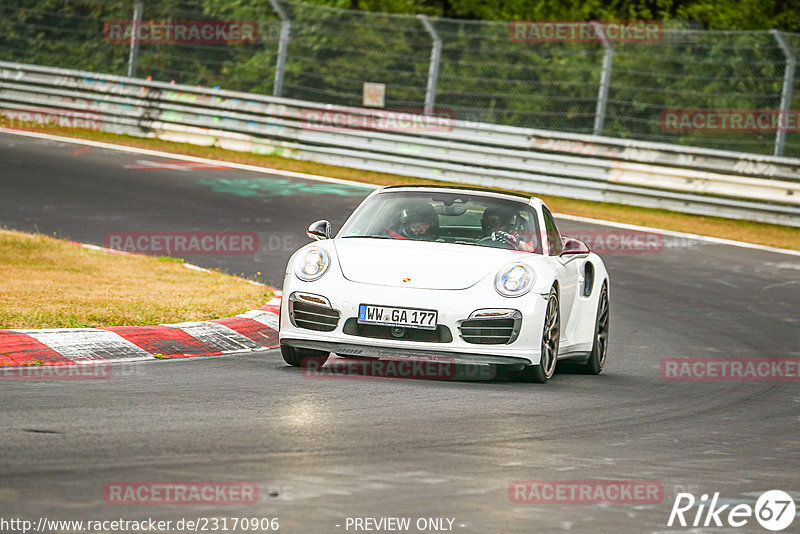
[
  {"x": 499, "y": 219},
  {"x": 419, "y": 221}
]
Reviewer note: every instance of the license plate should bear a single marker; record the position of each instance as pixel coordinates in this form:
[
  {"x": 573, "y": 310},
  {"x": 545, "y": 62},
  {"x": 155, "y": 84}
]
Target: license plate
[{"x": 391, "y": 316}]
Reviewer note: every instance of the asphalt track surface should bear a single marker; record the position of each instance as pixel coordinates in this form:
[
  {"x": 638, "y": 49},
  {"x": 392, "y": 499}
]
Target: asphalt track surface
[{"x": 321, "y": 451}]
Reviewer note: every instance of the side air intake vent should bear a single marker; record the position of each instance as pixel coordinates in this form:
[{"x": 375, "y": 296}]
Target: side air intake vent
[
  {"x": 312, "y": 312},
  {"x": 588, "y": 278},
  {"x": 491, "y": 327}
]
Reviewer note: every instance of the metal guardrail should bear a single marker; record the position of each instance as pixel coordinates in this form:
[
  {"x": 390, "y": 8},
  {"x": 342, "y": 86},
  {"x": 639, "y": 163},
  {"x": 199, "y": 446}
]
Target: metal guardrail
[{"x": 692, "y": 180}]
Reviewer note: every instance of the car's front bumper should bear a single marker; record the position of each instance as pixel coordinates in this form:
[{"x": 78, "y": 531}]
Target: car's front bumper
[
  {"x": 343, "y": 348},
  {"x": 453, "y": 306}
]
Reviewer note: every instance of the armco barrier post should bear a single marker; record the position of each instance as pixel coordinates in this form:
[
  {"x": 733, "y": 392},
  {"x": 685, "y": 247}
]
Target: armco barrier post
[
  {"x": 133, "y": 58},
  {"x": 283, "y": 45},
  {"x": 433, "y": 68},
  {"x": 786, "y": 92},
  {"x": 605, "y": 80}
]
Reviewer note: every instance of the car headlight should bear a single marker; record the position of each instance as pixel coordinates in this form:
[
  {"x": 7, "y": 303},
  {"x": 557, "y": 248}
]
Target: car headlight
[
  {"x": 514, "y": 280},
  {"x": 312, "y": 264}
]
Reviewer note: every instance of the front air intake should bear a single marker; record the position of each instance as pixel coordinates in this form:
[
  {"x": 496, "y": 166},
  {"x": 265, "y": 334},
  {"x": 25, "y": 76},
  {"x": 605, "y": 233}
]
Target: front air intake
[
  {"x": 491, "y": 327},
  {"x": 440, "y": 335},
  {"x": 312, "y": 315}
]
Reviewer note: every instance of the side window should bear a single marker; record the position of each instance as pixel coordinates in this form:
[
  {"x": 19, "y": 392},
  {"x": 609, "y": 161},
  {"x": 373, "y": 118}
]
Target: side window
[{"x": 553, "y": 235}]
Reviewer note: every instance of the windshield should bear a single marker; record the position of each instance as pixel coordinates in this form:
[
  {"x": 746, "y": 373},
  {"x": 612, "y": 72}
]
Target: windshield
[{"x": 459, "y": 218}]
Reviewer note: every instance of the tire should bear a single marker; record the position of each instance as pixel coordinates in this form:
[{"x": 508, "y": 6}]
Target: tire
[
  {"x": 597, "y": 359},
  {"x": 302, "y": 357},
  {"x": 551, "y": 332}
]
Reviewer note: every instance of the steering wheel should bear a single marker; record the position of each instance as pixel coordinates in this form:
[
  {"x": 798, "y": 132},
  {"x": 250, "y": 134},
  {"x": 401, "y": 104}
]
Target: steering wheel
[{"x": 496, "y": 243}]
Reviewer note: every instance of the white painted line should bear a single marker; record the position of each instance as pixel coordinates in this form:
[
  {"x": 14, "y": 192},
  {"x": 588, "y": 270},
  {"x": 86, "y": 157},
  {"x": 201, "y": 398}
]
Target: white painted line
[
  {"x": 101, "y": 249},
  {"x": 187, "y": 265},
  {"x": 671, "y": 233},
  {"x": 197, "y": 268},
  {"x": 148, "y": 152},
  {"x": 178, "y": 166},
  {"x": 14, "y": 233},
  {"x": 203, "y": 269},
  {"x": 266, "y": 170}
]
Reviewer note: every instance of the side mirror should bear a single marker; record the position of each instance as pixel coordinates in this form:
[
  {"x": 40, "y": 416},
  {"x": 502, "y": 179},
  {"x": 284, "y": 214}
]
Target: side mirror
[
  {"x": 319, "y": 230},
  {"x": 574, "y": 247}
]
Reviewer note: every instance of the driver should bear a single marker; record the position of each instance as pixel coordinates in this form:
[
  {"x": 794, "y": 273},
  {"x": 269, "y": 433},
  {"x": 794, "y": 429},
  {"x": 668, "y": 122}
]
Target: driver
[
  {"x": 419, "y": 222},
  {"x": 500, "y": 224}
]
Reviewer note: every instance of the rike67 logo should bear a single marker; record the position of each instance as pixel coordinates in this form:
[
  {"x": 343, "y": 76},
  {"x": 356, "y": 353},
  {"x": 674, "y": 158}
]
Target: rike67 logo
[{"x": 774, "y": 510}]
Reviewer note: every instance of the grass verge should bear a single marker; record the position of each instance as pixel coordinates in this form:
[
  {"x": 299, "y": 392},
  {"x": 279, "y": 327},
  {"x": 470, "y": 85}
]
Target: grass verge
[
  {"x": 48, "y": 283},
  {"x": 751, "y": 232}
]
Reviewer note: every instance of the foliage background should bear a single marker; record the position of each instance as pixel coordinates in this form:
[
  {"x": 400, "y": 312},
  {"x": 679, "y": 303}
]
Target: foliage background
[{"x": 335, "y": 46}]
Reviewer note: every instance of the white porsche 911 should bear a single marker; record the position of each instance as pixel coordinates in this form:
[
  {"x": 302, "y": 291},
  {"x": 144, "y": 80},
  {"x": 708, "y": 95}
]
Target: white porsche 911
[{"x": 473, "y": 275}]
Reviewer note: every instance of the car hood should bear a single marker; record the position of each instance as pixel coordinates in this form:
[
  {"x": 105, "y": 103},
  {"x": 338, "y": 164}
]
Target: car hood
[{"x": 418, "y": 264}]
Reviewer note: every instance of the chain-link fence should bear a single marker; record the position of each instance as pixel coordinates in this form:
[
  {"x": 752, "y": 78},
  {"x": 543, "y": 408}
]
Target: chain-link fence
[{"x": 482, "y": 72}]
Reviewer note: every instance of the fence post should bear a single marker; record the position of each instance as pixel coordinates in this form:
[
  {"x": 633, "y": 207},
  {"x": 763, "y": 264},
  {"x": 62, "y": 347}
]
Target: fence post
[
  {"x": 605, "y": 79},
  {"x": 433, "y": 68},
  {"x": 133, "y": 58},
  {"x": 786, "y": 92},
  {"x": 283, "y": 45}
]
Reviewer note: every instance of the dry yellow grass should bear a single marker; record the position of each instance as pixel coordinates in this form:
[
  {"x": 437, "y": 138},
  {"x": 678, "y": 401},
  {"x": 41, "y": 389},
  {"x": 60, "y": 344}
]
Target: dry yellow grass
[
  {"x": 751, "y": 232},
  {"x": 47, "y": 283}
]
